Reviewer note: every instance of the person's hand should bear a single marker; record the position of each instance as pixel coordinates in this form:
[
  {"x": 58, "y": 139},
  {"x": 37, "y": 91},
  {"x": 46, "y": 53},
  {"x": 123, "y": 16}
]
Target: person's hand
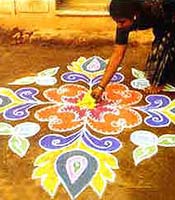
[{"x": 97, "y": 93}]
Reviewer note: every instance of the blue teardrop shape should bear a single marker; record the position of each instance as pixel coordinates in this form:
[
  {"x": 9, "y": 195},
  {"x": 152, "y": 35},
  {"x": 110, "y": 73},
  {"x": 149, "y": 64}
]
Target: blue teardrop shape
[{"x": 76, "y": 186}]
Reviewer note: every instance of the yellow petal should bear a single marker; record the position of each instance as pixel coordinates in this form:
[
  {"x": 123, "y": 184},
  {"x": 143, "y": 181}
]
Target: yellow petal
[
  {"x": 46, "y": 157},
  {"x": 50, "y": 185},
  {"x": 46, "y": 172},
  {"x": 107, "y": 173},
  {"x": 109, "y": 159},
  {"x": 98, "y": 184},
  {"x": 15, "y": 100},
  {"x": 39, "y": 172},
  {"x": 167, "y": 111}
]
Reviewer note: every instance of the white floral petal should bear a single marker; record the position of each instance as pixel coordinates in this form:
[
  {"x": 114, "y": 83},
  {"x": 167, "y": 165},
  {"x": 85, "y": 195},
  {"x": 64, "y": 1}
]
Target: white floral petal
[
  {"x": 26, "y": 129},
  {"x": 45, "y": 80},
  {"x": 49, "y": 72},
  {"x": 140, "y": 83},
  {"x": 24, "y": 81},
  {"x": 144, "y": 138}
]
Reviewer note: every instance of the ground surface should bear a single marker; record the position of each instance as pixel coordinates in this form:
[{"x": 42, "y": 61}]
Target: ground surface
[{"x": 154, "y": 179}]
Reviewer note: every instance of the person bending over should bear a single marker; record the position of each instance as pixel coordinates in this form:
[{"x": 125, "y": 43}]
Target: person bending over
[{"x": 133, "y": 15}]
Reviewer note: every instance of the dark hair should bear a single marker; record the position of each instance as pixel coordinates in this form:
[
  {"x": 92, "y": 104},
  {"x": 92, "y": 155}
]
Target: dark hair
[{"x": 123, "y": 8}]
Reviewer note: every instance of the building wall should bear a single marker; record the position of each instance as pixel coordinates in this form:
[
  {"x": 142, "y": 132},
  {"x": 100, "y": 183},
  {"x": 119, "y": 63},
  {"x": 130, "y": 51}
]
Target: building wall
[
  {"x": 6, "y": 6},
  {"x": 49, "y": 6},
  {"x": 26, "y": 6},
  {"x": 32, "y": 6}
]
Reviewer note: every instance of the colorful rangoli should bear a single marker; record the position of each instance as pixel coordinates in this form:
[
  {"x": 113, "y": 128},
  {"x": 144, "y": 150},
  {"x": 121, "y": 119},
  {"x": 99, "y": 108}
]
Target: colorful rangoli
[{"x": 83, "y": 133}]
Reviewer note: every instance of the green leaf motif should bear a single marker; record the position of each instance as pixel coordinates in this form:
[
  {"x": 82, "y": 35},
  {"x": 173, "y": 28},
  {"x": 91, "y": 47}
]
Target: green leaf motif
[
  {"x": 167, "y": 140},
  {"x": 6, "y": 129},
  {"x": 49, "y": 72},
  {"x": 24, "y": 81},
  {"x": 169, "y": 88},
  {"x": 19, "y": 145},
  {"x": 137, "y": 73},
  {"x": 142, "y": 153}
]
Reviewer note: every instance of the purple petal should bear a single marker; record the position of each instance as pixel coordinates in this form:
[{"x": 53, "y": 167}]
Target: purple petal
[
  {"x": 118, "y": 77},
  {"x": 55, "y": 141},
  {"x": 18, "y": 112},
  {"x": 155, "y": 118},
  {"x": 73, "y": 77},
  {"x": 155, "y": 102},
  {"x": 96, "y": 80},
  {"x": 107, "y": 144},
  {"x": 27, "y": 93}
]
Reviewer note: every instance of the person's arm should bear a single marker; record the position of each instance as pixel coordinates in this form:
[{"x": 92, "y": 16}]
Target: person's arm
[
  {"x": 121, "y": 41},
  {"x": 114, "y": 62}
]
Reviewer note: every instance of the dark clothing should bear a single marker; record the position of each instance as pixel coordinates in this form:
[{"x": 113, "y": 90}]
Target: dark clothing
[
  {"x": 156, "y": 14},
  {"x": 160, "y": 16},
  {"x": 160, "y": 66}
]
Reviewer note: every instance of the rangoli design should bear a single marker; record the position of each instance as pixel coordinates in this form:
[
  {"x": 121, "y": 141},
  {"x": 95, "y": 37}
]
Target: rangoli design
[
  {"x": 82, "y": 134},
  {"x": 16, "y": 105},
  {"x": 148, "y": 143},
  {"x": 89, "y": 71},
  {"x": 43, "y": 78},
  {"x": 76, "y": 166},
  {"x": 18, "y": 141},
  {"x": 74, "y": 104},
  {"x": 140, "y": 82},
  {"x": 160, "y": 111}
]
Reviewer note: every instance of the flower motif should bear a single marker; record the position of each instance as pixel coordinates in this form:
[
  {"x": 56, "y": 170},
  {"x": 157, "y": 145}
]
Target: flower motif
[
  {"x": 89, "y": 71},
  {"x": 91, "y": 67},
  {"x": 75, "y": 167},
  {"x": 75, "y": 108}
]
